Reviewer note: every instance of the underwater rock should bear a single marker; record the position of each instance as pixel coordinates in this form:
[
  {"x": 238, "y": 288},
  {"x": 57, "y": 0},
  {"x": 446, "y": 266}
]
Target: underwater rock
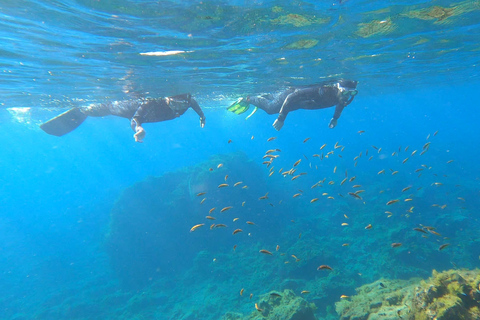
[
  {"x": 449, "y": 295},
  {"x": 150, "y": 224},
  {"x": 274, "y": 305},
  {"x": 382, "y": 299}
]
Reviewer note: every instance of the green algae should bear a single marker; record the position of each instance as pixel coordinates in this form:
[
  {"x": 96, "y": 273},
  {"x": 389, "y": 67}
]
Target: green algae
[
  {"x": 453, "y": 294},
  {"x": 298, "y": 20},
  {"x": 441, "y": 14},
  {"x": 375, "y": 27},
  {"x": 302, "y": 44},
  {"x": 432, "y": 13}
]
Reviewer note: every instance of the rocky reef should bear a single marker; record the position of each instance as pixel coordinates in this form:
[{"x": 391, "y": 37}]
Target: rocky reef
[
  {"x": 149, "y": 233},
  {"x": 449, "y": 295},
  {"x": 274, "y": 305}
]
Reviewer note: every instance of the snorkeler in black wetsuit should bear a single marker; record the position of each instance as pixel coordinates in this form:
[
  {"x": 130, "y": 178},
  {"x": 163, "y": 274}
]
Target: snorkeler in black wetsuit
[
  {"x": 139, "y": 111},
  {"x": 317, "y": 96}
]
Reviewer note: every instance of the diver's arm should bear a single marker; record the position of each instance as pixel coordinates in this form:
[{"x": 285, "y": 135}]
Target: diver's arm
[
  {"x": 288, "y": 104},
  {"x": 198, "y": 110},
  {"x": 136, "y": 123},
  {"x": 338, "y": 112},
  {"x": 336, "y": 115}
]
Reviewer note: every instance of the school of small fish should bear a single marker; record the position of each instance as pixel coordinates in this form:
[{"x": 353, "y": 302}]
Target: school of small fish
[{"x": 342, "y": 183}]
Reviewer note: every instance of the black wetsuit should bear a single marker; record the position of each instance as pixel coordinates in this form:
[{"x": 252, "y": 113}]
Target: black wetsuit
[
  {"x": 149, "y": 110},
  {"x": 317, "y": 96}
]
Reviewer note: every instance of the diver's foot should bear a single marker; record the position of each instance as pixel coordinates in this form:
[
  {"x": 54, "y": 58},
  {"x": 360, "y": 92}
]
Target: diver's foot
[
  {"x": 278, "y": 124},
  {"x": 240, "y": 106}
]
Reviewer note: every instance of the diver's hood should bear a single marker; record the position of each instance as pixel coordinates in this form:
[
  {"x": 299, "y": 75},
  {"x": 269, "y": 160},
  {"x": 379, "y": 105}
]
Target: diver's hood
[{"x": 348, "y": 84}]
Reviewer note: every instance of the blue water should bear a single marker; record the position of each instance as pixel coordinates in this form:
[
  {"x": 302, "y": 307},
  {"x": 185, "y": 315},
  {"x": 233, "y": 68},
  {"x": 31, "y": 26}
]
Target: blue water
[{"x": 59, "y": 196}]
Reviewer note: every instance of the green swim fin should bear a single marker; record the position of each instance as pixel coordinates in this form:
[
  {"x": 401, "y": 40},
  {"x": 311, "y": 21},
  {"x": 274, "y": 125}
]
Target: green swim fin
[
  {"x": 64, "y": 123},
  {"x": 240, "y": 106}
]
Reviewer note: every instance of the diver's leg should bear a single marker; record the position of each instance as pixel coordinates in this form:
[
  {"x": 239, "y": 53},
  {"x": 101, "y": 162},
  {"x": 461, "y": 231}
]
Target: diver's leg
[{"x": 270, "y": 106}]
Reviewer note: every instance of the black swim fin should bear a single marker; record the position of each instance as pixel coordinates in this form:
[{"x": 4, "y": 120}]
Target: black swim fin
[{"x": 64, "y": 123}]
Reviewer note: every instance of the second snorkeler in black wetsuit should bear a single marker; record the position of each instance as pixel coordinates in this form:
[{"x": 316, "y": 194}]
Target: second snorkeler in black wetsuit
[
  {"x": 138, "y": 111},
  {"x": 317, "y": 96}
]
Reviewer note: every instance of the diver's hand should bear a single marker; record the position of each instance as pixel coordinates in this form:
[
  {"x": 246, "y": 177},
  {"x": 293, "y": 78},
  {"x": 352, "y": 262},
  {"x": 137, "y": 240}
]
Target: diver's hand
[
  {"x": 140, "y": 134},
  {"x": 202, "y": 122},
  {"x": 278, "y": 124},
  {"x": 332, "y": 123}
]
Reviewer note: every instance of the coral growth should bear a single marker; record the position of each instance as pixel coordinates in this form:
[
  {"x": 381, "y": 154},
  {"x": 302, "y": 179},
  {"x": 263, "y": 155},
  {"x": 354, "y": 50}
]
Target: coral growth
[
  {"x": 453, "y": 294},
  {"x": 274, "y": 305}
]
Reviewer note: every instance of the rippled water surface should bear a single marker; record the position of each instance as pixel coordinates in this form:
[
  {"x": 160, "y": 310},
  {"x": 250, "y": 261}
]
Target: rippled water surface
[{"x": 92, "y": 49}]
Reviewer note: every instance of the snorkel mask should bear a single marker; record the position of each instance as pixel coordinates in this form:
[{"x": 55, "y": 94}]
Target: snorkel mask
[{"x": 347, "y": 88}]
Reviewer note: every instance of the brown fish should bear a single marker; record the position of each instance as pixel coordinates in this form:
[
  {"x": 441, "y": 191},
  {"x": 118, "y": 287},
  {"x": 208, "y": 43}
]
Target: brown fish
[
  {"x": 195, "y": 227},
  {"x": 223, "y": 185},
  {"x": 434, "y": 232},
  {"x": 368, "y": 227},
  {"x": 266, "y": 252},
  {"x": 271, "y": 139},
  {"x": 210, "y": 217},
  {"x": 420, "y": 230},
  {"x": 396, "y": 244},
  {"x": 324, "y": 267},
  {"x": 237, "y": 231},
  {"x": 226, "y": 208},
  {"x": 443, "y": 246},
  {"x": 200, "y": 194},
  {"x": 392, "y": 202},
  {"x": 306, "y": 140},
  {"x": 356, "y": 196},
  {"x": 241, "y": 292}
]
